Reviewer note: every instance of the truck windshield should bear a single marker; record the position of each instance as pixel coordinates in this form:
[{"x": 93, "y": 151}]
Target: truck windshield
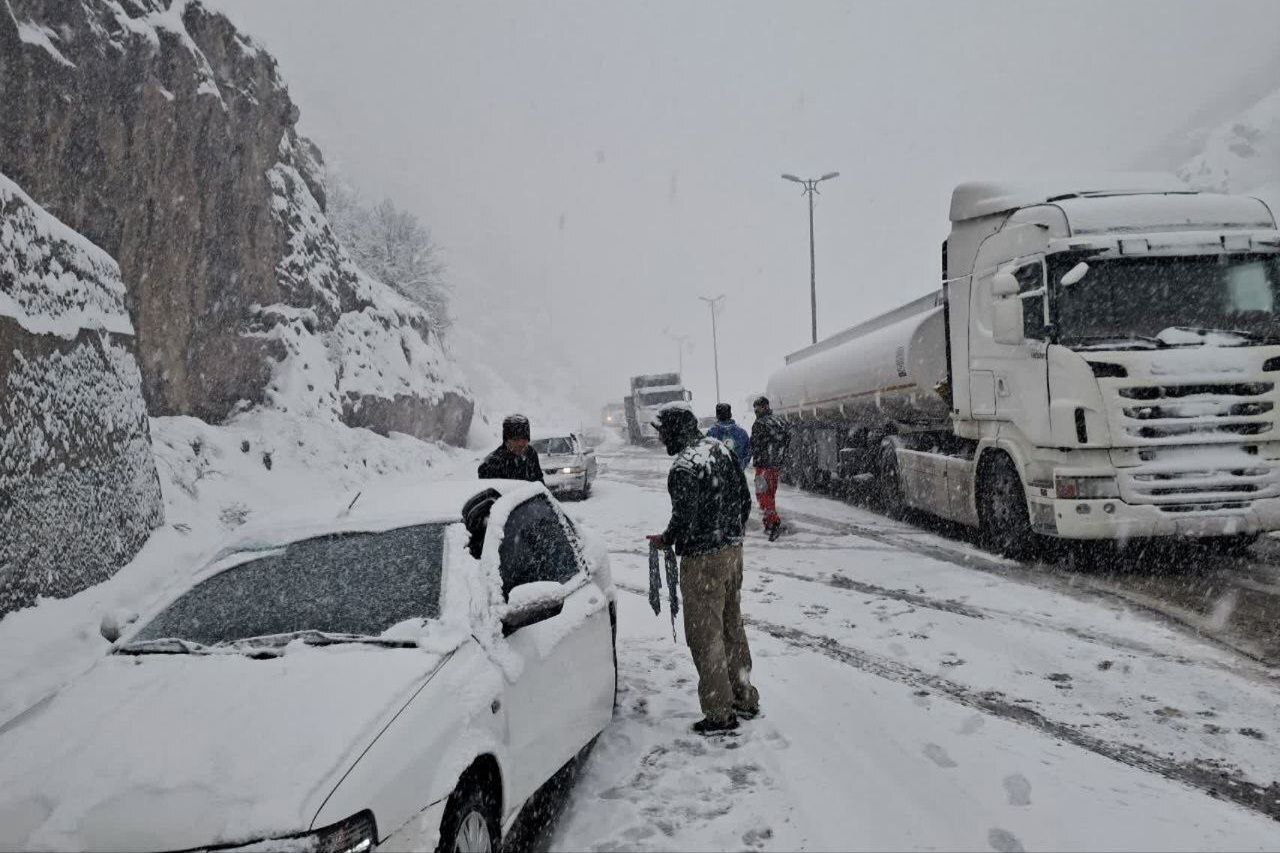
[
  {"x": 660, "y": 397},
  {"x": 1168, "y": 301}
]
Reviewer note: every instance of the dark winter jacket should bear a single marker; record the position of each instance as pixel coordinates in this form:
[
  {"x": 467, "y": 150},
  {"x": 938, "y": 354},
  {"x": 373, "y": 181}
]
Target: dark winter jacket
[
  {"x": 770, "y": 439},
  {"x": 502, "y": 464},
  {"x": 735, "y": 438},
  {"x": 710, "y": 500}
]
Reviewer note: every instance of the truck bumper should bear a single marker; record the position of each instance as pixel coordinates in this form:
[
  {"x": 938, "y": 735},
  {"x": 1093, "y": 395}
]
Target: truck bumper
[{"x": 1112, "y": 518}]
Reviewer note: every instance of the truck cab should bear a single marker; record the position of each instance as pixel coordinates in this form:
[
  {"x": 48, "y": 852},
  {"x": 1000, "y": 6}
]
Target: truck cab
[{"x": 1122, "y": 347}]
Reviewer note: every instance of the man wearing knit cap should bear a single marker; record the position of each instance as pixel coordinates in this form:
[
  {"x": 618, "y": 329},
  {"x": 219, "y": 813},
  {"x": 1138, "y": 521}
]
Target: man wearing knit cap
[{"x": 515, "y": 459}]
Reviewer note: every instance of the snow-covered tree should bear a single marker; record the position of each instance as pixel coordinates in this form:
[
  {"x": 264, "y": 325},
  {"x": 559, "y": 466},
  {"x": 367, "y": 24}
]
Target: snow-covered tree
[{"x": 393, "y": 246}]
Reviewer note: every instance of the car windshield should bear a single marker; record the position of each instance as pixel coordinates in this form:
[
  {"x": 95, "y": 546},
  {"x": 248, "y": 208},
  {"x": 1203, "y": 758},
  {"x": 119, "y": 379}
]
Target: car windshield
[
  {"x": 1159, "y": 301},
  {"x": 355, "y": 584},
  {"x": 554, "y": 446}
]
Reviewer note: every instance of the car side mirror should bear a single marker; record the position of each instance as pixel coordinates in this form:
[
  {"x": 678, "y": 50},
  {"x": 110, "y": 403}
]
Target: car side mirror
[
  {"x": 530, "y": 603},
  {"x": 688, "y": 395},
  {"x": 114, "y": 623}
]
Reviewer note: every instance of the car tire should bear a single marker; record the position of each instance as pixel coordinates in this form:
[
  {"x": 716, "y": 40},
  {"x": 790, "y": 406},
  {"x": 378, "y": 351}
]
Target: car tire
[
  {"x": 470, "y": 823},
  {"x": 586, "y": 490},
  {"x": 1003, "y": 517}
]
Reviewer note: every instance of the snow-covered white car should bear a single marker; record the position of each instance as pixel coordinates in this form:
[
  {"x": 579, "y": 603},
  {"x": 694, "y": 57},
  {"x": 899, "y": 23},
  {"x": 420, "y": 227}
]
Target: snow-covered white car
[
  {"x": 568, "y": 465},
  {"x": 366, "y": 683}
]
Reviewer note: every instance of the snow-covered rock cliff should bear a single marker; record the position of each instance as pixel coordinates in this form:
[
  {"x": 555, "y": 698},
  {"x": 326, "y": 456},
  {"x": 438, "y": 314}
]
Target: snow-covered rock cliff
[
  {"x": 168, "y": 138},
  {"x": 79, "y": 492}
]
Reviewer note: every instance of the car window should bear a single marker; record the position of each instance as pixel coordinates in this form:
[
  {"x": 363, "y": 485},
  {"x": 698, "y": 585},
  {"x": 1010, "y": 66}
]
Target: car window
[
  {"x": 535, "y": 547},
  {"x": 560, "y": 445},
  {"x": 356, "y": 583}
]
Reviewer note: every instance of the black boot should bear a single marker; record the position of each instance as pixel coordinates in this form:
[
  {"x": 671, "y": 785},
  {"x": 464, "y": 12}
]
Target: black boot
[
  {"x": 708, "y": 726},
  {"x": 745, "y": 713}
]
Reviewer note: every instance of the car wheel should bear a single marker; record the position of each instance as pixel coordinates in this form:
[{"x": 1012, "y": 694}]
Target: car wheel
[
  {"x": 470, "y": 823},
  {"x": 586, "y": 489},
  {"x": 1003, "y": 516}
]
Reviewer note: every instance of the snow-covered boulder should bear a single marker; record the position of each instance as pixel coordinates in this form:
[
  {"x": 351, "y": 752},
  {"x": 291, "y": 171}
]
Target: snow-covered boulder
[
  {"x": 78, "y": 487},
  {"x": 168, "y": 138}
]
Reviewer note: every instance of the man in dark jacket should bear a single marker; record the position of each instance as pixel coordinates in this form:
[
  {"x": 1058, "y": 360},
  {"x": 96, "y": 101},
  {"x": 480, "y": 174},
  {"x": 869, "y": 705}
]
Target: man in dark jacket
[
  {"x": 734, "y": 437},
  {"x": 710, "y": 503},
  {"x": 769, "y": 442},
  {"x": 515, "y": 459}
]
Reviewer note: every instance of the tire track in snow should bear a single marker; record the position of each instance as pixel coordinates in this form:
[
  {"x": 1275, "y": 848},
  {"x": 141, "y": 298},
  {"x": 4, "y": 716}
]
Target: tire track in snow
[{"x": 1221, "y": 782}]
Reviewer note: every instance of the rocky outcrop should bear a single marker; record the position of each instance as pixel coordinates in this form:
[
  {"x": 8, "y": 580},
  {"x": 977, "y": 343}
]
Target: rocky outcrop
[
  {"x": 168, "y": 138},
  {"x": 78, "y": 487}
]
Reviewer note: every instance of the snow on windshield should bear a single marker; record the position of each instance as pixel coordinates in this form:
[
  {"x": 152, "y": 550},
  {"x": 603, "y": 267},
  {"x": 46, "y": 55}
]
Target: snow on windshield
[{"x": 358, "y": 583}]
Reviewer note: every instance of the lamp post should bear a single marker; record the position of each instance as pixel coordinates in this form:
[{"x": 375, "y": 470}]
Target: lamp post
[
  {"x": 682, "y": 341},
  {"x": 713, "y": 302},
  {"x": 810, "y": 187}
]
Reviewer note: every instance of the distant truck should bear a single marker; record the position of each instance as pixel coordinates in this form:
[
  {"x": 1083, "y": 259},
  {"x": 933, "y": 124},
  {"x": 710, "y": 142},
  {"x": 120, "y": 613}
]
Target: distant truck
[
  {"x": 614, "y": 415},
  {"x": 1101, "y": 362},
  {"x": 648, "y": 394}
]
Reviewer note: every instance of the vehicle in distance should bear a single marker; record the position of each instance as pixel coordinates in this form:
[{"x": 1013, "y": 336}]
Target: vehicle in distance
[
  {"x": 614, "y": 415},
  {"x": 1102, "y": 362},
  {"x": 341, "y": 687},
  {"x": 568, "y": 465},
  {"x": 649, "y": 393}
]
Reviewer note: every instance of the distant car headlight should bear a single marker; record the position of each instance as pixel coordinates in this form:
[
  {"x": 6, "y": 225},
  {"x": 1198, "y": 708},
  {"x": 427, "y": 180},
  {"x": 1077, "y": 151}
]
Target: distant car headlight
[
  {"x": 572, "y": 470},
  {"x": 1086, "y": 488}
]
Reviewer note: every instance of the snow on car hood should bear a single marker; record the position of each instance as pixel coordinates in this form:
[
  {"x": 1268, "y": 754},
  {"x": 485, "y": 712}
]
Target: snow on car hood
[{"x": 172, "y": 752}]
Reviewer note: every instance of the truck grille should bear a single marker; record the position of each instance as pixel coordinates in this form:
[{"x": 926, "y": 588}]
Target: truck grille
[
  {"x": 1193, "y": 479},
  {"x": 1176, "y": 414}
]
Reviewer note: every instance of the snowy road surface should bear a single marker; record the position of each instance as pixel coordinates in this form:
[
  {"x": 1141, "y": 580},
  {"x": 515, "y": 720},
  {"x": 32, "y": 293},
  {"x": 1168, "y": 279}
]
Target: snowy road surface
[{"x": 912, "y": 701}]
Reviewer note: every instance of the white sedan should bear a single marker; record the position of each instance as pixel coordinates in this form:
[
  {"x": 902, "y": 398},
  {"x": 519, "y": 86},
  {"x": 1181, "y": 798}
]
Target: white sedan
[
  {"x": 568, "y": 465},
  {"x": 366, "y": 683}
]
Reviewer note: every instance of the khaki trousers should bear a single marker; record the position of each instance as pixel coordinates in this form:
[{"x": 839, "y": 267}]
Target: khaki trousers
[{"x": 711, "y": 585}]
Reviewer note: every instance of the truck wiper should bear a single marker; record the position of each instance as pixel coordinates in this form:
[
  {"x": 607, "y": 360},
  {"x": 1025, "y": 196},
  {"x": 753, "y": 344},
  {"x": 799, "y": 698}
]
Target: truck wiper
[{"x": 1114, "y": 340}]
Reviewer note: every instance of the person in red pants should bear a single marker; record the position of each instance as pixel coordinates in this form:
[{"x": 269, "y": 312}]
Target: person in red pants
[{"x": 770, "y": 439}]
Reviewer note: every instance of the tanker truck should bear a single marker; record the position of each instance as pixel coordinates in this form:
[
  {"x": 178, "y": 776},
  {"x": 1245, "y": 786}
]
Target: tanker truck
[{"x": 1101, "y": 362}]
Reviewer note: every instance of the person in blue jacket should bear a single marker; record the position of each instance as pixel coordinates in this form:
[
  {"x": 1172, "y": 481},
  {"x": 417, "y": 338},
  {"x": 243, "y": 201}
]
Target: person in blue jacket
[{"x": 734, "y": 436}]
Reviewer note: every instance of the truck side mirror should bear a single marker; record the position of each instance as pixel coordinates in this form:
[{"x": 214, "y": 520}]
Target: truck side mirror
[
  {"x": 1006, "y": 320},
  {"x": 1004, "y": 284}
]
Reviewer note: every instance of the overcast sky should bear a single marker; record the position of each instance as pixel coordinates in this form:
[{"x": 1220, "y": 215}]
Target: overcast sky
[{"x": 591, "y": 168}]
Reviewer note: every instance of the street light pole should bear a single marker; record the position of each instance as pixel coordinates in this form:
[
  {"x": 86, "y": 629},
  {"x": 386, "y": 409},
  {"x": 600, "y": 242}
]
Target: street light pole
[
  {"x": 682, "y": 341},
  {"x": 713, "y": 303},
  {"x": 810, "y": 187}
]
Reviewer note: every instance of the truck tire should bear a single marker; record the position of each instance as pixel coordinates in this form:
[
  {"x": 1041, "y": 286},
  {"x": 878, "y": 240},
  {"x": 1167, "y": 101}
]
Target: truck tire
[
  {"x": 1003, "y": 517},
  {"x": 888, "y": 480}
]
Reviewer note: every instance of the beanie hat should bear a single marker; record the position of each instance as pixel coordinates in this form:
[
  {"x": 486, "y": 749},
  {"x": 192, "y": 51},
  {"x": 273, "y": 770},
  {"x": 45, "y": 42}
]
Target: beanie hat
[
  {"x": 515, "y": 426},
  {"x": 724, "y": 412}
]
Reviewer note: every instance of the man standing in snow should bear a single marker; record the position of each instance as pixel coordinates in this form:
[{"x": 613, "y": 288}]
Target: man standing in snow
[
  {"x": 733, "y": 436},
  {"x": 769, "y": 442},
  {"x": 710, "y": 503},
  {"x": 515, "y": 459}
]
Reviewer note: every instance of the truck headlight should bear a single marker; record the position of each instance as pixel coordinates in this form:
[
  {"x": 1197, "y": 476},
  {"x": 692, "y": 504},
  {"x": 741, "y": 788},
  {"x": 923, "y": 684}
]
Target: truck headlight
[{"x": 1086, "y": 487}]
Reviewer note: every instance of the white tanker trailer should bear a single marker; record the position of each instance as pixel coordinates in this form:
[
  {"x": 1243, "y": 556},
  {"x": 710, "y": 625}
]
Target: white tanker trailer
[{"x": 1101, "y": 362}]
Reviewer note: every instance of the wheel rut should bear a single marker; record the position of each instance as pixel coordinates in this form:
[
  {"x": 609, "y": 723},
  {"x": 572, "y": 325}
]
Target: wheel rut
[{"x": 1217, "y": 780}]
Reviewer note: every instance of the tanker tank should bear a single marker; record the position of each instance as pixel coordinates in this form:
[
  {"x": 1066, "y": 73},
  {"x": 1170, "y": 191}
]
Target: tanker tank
[{"x": 892, "y": 368}]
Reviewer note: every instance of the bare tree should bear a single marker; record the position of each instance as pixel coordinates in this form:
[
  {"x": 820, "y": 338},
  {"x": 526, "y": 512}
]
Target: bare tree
[{"x": 393, "y": 246}]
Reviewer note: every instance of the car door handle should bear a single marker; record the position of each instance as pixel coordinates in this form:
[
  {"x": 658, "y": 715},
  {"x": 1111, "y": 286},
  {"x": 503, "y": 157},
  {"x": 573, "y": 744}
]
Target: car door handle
[{"x": 495, "y": 706}]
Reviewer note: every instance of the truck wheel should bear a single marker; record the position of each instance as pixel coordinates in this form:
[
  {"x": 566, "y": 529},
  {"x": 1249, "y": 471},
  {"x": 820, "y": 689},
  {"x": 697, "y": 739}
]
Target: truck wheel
[
  {"x": 1003, "y": 517},
  {"x": 888, "y": 480}
]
